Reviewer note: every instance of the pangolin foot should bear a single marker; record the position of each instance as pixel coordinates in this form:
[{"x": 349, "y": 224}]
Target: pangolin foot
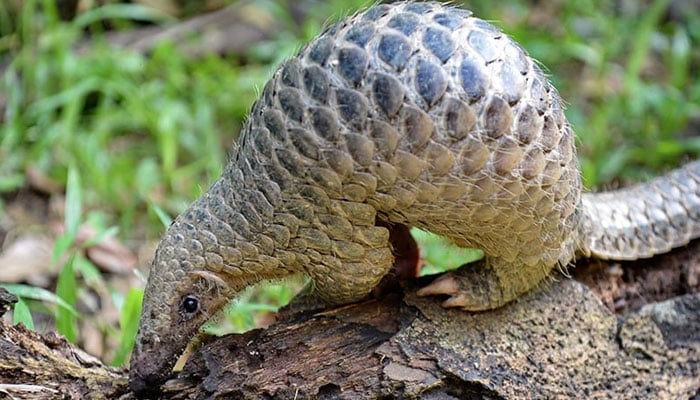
[{"x": 474, "y": 287}]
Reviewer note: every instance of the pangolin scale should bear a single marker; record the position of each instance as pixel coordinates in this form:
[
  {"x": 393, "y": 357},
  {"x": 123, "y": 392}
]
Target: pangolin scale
[{"x": 409, "y": 114}]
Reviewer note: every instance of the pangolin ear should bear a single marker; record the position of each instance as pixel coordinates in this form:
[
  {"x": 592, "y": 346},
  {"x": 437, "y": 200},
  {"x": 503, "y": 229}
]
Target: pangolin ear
[{"x": 207, "y": 281}]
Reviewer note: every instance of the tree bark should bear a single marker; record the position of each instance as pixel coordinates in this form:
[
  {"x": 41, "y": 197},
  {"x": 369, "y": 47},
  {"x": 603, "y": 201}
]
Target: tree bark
[
  {"x": 560, "y": 341},
  {"x": 34, "y": 366}
]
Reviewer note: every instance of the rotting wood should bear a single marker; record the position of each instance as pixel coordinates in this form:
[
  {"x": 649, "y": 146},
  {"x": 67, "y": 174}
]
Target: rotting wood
[{"x": 557, "y": 342}]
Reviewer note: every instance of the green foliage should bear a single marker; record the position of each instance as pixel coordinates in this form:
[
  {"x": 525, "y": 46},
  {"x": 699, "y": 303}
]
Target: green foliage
[
  {"x": 136, "y": 126},
  {"x": 67, "y": 289},
  {"x": 129, "y": 324},
  {"x": 243, "y": 313},
  {"x": 439, "y": 255},
  {"x": 22, "y": 315},
  {"x": 26, "y": 293},
  {"x": 67, "y": 285}
]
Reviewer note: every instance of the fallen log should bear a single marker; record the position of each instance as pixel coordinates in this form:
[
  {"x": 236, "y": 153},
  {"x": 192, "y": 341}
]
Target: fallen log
[{"x": 560, "y": 341}]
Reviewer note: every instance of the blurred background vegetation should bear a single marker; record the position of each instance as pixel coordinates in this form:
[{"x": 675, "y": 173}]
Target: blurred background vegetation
[{"x": 115, "y": 115}]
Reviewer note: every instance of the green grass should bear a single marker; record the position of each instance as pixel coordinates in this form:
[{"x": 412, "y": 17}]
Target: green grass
[
  {"x": 135, "y": 138},
  {"x": 439, "y": 255}
]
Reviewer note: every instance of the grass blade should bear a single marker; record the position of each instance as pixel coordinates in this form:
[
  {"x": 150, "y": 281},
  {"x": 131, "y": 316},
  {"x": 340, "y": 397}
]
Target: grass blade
[
  {"x": 39, "y": 294},
  {"x": 121, "y": 11},
  {"x": 163, "y": 216},
  {"x": 67, "y": 289},
  {"x": 74, "y": 203},
  {"x": 129, "y": 322},
  {"x": 22, "y": 315}
]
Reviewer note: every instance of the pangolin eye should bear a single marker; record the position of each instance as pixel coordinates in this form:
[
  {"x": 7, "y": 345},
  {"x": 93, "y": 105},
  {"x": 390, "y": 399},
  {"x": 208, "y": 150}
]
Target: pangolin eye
[{"x": 189, "y": 305}]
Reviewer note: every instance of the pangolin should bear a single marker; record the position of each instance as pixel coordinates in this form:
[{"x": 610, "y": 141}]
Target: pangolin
[{"x": 404, "y": 115}]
